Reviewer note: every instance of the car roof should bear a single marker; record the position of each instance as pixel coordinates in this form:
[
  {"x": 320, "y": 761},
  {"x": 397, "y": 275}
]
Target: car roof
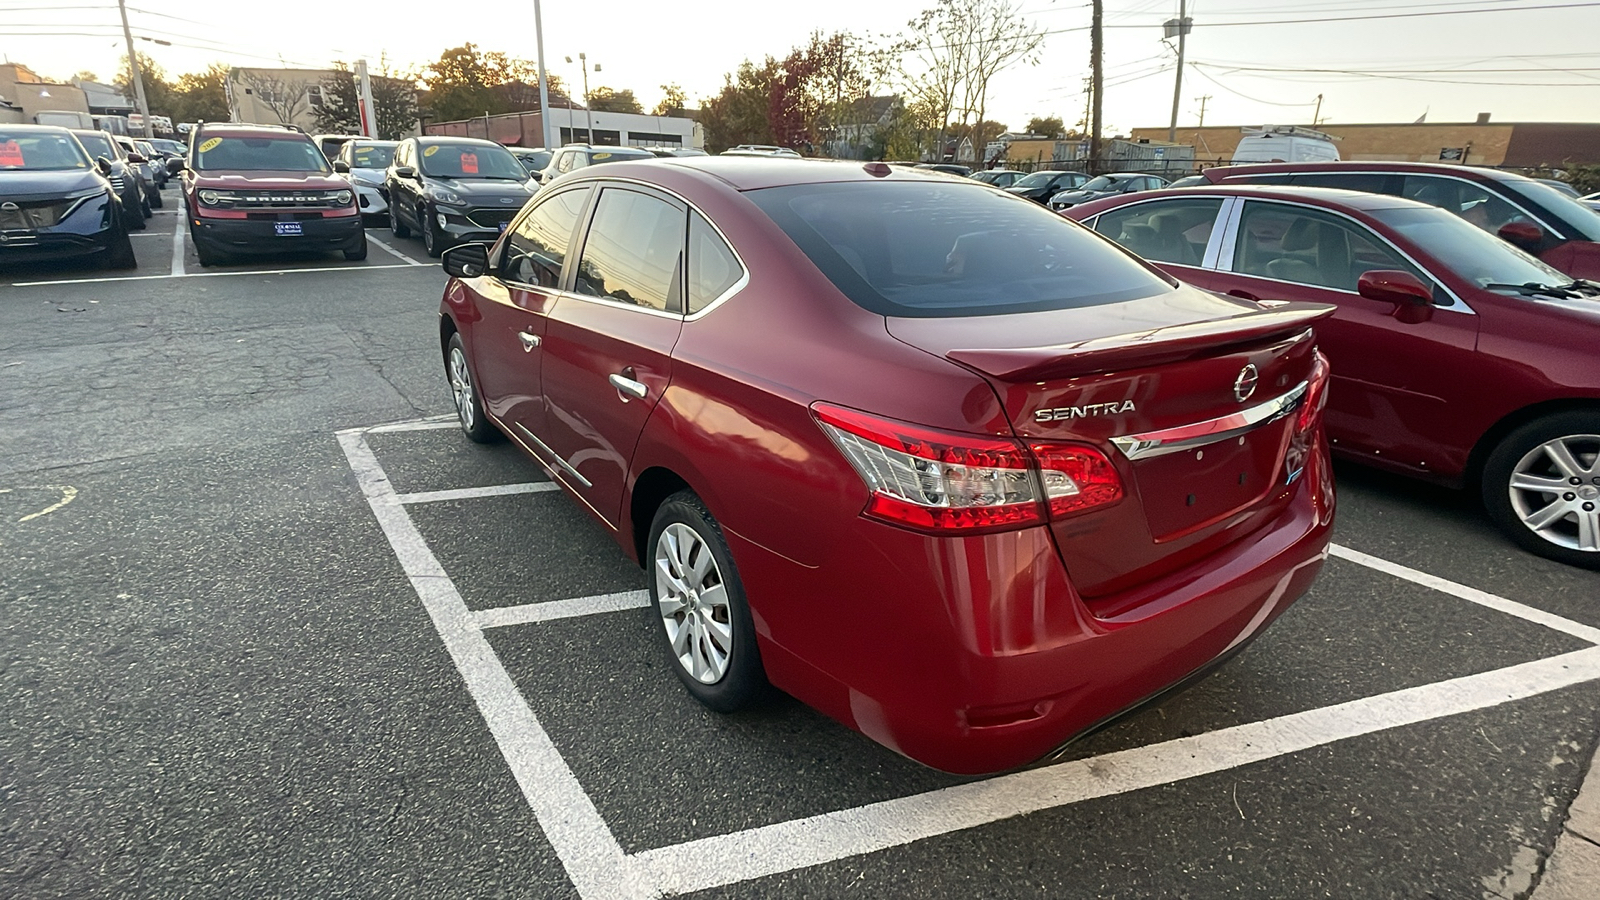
[
  {"x": 40, "y": 129},
  {"x": 750, "y": 173},
  {"x": 227, "y": 129},
  {"x": 424, "y": 140},
  {"x": 1359, "y": 200},
  {"x": 1459, "y": 171}
]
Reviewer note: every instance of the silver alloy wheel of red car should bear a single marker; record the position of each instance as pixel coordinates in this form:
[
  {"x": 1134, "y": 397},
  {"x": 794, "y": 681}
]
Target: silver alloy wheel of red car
[
  {"x": 1555, "y": 491},
  {"x": 693, "y": 603},
  {"x": 461, "y": 388}
]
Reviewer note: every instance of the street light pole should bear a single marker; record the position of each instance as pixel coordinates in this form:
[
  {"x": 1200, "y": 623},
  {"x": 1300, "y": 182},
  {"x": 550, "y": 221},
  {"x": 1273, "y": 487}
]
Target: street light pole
[
  {"x": 133, "y": 71},
  {"x": 544, "y": 84},
  {"x": 583, "y": 63}
]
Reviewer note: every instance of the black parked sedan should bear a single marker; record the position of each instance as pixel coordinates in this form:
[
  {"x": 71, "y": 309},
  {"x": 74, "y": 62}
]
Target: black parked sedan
[
  {"x": 55, "y": 202},
  {"x": 1041, "y": 186},
  {"x": 1107, "y": 186},
  {"x": 452, "y": 190},
  {"x": 124, "y": 181}
]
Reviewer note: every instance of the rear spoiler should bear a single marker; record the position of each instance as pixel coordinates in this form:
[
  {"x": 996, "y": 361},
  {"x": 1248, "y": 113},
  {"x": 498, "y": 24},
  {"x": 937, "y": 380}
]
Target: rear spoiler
[{"x": 1137, "y": 349}]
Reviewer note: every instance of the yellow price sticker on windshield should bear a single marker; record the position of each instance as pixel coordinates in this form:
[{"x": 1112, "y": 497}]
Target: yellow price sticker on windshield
[
  {"x": 431, "y": 150},
  {"x": 210, "y": 144},
  {"x": 602, "y": 156}
]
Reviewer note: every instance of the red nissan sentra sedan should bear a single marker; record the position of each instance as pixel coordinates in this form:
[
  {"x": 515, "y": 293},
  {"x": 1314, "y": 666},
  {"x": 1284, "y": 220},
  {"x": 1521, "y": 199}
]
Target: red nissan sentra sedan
[
  {"x": 953, "y": 470},
  {"x": 1457, "y": 357}
]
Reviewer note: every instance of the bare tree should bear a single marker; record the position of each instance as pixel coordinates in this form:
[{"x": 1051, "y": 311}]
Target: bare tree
[
  {"x": 949, "y": 55},
  {"x": 283, "y": 97}
]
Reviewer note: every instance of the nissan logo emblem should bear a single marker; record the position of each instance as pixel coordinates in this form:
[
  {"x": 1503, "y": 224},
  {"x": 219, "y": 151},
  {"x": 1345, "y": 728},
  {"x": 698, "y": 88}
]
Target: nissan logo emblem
[{"x": 1245, "y": 384}]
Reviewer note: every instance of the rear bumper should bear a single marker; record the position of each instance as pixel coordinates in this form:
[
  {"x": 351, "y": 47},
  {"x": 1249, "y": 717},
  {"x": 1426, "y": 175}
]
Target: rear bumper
[
  {"x": 260, "y": 235},
  {"x": 979, "y": 655}
]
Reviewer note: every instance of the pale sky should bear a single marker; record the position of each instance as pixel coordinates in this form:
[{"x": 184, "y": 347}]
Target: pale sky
[{"x": 1545, "y": 62}]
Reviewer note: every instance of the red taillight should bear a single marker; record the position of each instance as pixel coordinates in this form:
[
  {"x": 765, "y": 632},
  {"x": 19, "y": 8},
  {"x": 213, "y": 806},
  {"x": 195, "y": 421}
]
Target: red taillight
[
  {"x": 1316, "y": 393},
  {"x": 941, "y": 481}
]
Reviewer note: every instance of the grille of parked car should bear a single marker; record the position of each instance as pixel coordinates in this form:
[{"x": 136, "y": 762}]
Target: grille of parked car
[
  {"x": 117, "y": 183},
  {"x": 34, "y": 213},
  {"x": 491, "y": 218}
]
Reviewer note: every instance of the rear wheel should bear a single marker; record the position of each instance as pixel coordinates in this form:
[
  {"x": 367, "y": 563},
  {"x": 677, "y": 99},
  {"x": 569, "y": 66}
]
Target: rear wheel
[
  {"x": 469, "y": 409},
  {"x": 395, "y": 225},
  {"x": 700, "y": 604},
  {"x": 1541, "y": 486}
]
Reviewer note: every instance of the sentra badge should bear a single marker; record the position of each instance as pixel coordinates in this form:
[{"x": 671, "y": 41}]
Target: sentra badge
[{"x": 1063, "y": 413}]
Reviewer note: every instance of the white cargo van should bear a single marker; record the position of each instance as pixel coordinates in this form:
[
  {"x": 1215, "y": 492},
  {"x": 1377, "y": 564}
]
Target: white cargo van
[
  {"x": 63, "y": 118},
  {"x": 1285, "y": 143}
]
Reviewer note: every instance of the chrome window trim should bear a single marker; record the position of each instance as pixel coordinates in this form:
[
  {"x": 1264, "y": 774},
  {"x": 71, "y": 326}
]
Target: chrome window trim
[
  {"x": 1485, "y": 186},
  {"x": 1230, "y": 237},
  {"x": 1200, "y": 434},
  {"x": 1225, "y": 262},
  {"x": 1219, "y": 229}
]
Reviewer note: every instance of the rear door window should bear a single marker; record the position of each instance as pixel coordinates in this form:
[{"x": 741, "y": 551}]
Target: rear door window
[
  {"x": 925, "y": 249},
  {"x": 538, "y": 244},
  {"x": 1366, "y": 182},
  {"x": 1169, "y": 231},
  {"x": 634, "y": 251}
]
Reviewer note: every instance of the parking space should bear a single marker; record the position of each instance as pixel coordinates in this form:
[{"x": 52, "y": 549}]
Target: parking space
[{"x": 1432, "y": 692}]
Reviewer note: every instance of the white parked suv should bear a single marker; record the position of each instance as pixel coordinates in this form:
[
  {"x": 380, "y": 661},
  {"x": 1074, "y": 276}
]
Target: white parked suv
[{"x": 363, "y": 162}]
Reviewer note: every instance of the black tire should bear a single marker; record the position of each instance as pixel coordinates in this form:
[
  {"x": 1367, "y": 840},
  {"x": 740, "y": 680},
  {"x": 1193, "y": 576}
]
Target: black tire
[
  {"x": 1562, "y": 538},
  {"x": 742, "y": 683},
  {"x": 133, "y": 218},
  {"x": 120, "y": 254},
  {"x": 360, "y": 253},
  {"x": 469, "y": 409},
  {"x": 155, "y": 198},
  {"x": 144, "y": 207},
  {"x": 206, "y": 255},
  {"x": 432, "y": 243},
  {"x": 395, "y": 225}
]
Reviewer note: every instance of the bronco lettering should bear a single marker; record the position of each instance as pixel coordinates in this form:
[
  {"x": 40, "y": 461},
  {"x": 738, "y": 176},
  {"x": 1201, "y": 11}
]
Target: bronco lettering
[{"x": 1063, "y": 413}]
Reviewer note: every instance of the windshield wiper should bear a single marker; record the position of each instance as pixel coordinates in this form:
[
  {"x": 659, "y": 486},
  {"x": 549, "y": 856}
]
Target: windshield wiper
[
  {"x": 1582, "y": 286},
  {"x": 1534, "y": 289}
]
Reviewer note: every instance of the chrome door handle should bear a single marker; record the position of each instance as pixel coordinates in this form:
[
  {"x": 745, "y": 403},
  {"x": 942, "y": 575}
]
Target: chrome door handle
[
  {"x": 529, "y": 341},
  {"x": 629, "y": 387}
]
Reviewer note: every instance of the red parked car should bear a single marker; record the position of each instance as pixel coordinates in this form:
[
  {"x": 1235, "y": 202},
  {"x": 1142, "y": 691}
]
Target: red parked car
[
  {"x": 941, "y": 464},
  {"x": 1525, "y": 211},
  {"x": 259, "y": 189},
  {"x": 1456, "y": 357}
]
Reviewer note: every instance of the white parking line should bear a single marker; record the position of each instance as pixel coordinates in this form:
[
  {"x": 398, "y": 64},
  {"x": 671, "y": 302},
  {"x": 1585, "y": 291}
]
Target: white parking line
[
  {"x": 581, "y": 839},
  {"x": 1483, "y": 598},
  {"x": 498, "y": 490},
  {"x": 393, "y": 252},
  {"x": 177, "y": 251},
  {"x": 432, "y": 423},
  {"x": 550, "y": 610},
  {"x": 207, "y": 274},
  {"x": 600, "y": 870}
]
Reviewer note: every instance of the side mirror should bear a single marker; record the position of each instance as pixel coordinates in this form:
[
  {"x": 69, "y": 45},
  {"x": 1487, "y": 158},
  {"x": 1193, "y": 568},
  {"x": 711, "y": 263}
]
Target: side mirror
[
  {"x": 176, "y": 165},
  {"x": 102, "y": 164},
  {"x": 466, "y": 260},
  {"x": 1524, "y": 235},
  {"x": 1393, "y": 286},
  {"x": 136, "y": 158},
  {"x": 342, "y": 167},
  {"x": 404, "y": 172}
]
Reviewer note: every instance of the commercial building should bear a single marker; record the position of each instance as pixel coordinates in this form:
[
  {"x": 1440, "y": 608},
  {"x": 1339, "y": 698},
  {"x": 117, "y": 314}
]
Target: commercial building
[
  {"x": 571, "y": 125},
  {"x": 1480, "y": 143},
  {"x": 26, "y": 94}
]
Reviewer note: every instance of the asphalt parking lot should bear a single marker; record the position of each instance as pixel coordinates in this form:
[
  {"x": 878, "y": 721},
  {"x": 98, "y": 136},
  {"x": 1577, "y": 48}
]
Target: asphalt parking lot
[{"x": 273, "y": 627}]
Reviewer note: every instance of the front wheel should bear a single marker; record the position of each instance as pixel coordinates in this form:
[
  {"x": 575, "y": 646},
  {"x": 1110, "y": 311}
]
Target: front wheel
[
  {"x": 469, "y": 409},
  {"x": 431, "y": 241},
  {"x": 120, "y": 254},
  {"x": 1541, "y": 486},
  {"x": 155, "y": 198},
  {"x": 700, "y": 604},
  {"x": 360, "y": 252},
  {"x": 395, "y": 225}
]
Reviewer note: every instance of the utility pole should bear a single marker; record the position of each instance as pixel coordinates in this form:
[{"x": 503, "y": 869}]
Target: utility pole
[
  {"x": 138, "y": 78},
  {"x": 1178, "y": 27},
  {"x": 1097, "y": 84},
  {"x": 369, "y": 112},
  {"x": 1203, "y": 98},
  {"x": 544, "y": 85},
  {"x": 1318, "y": 113}
]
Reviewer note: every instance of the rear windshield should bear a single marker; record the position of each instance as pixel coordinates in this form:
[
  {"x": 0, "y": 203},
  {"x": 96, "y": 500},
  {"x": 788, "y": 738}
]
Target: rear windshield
[
  {"x": 40, "y": 152},
  {"x": 471, "y": 161},
  {"x": 924, "y": 250},
  {"x": 260, "y": 154},
  {"x": 1037, "y": 179}
]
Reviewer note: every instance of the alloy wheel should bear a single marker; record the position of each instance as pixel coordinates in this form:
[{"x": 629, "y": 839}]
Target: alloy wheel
[
  {"x": 1555, "y": 491},
  {"x": 693, "y": 603},
  {"x": 461, "y": 387}
]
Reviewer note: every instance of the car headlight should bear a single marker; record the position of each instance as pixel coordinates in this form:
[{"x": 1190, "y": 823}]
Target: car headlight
[
  {"x": 340, "y": 197},
  {"x": 210, "y": 197},
  {"x": 370, "y": 179},
  {"x": 86, "y": 192},
  {"x": 446, "y": 196}
]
